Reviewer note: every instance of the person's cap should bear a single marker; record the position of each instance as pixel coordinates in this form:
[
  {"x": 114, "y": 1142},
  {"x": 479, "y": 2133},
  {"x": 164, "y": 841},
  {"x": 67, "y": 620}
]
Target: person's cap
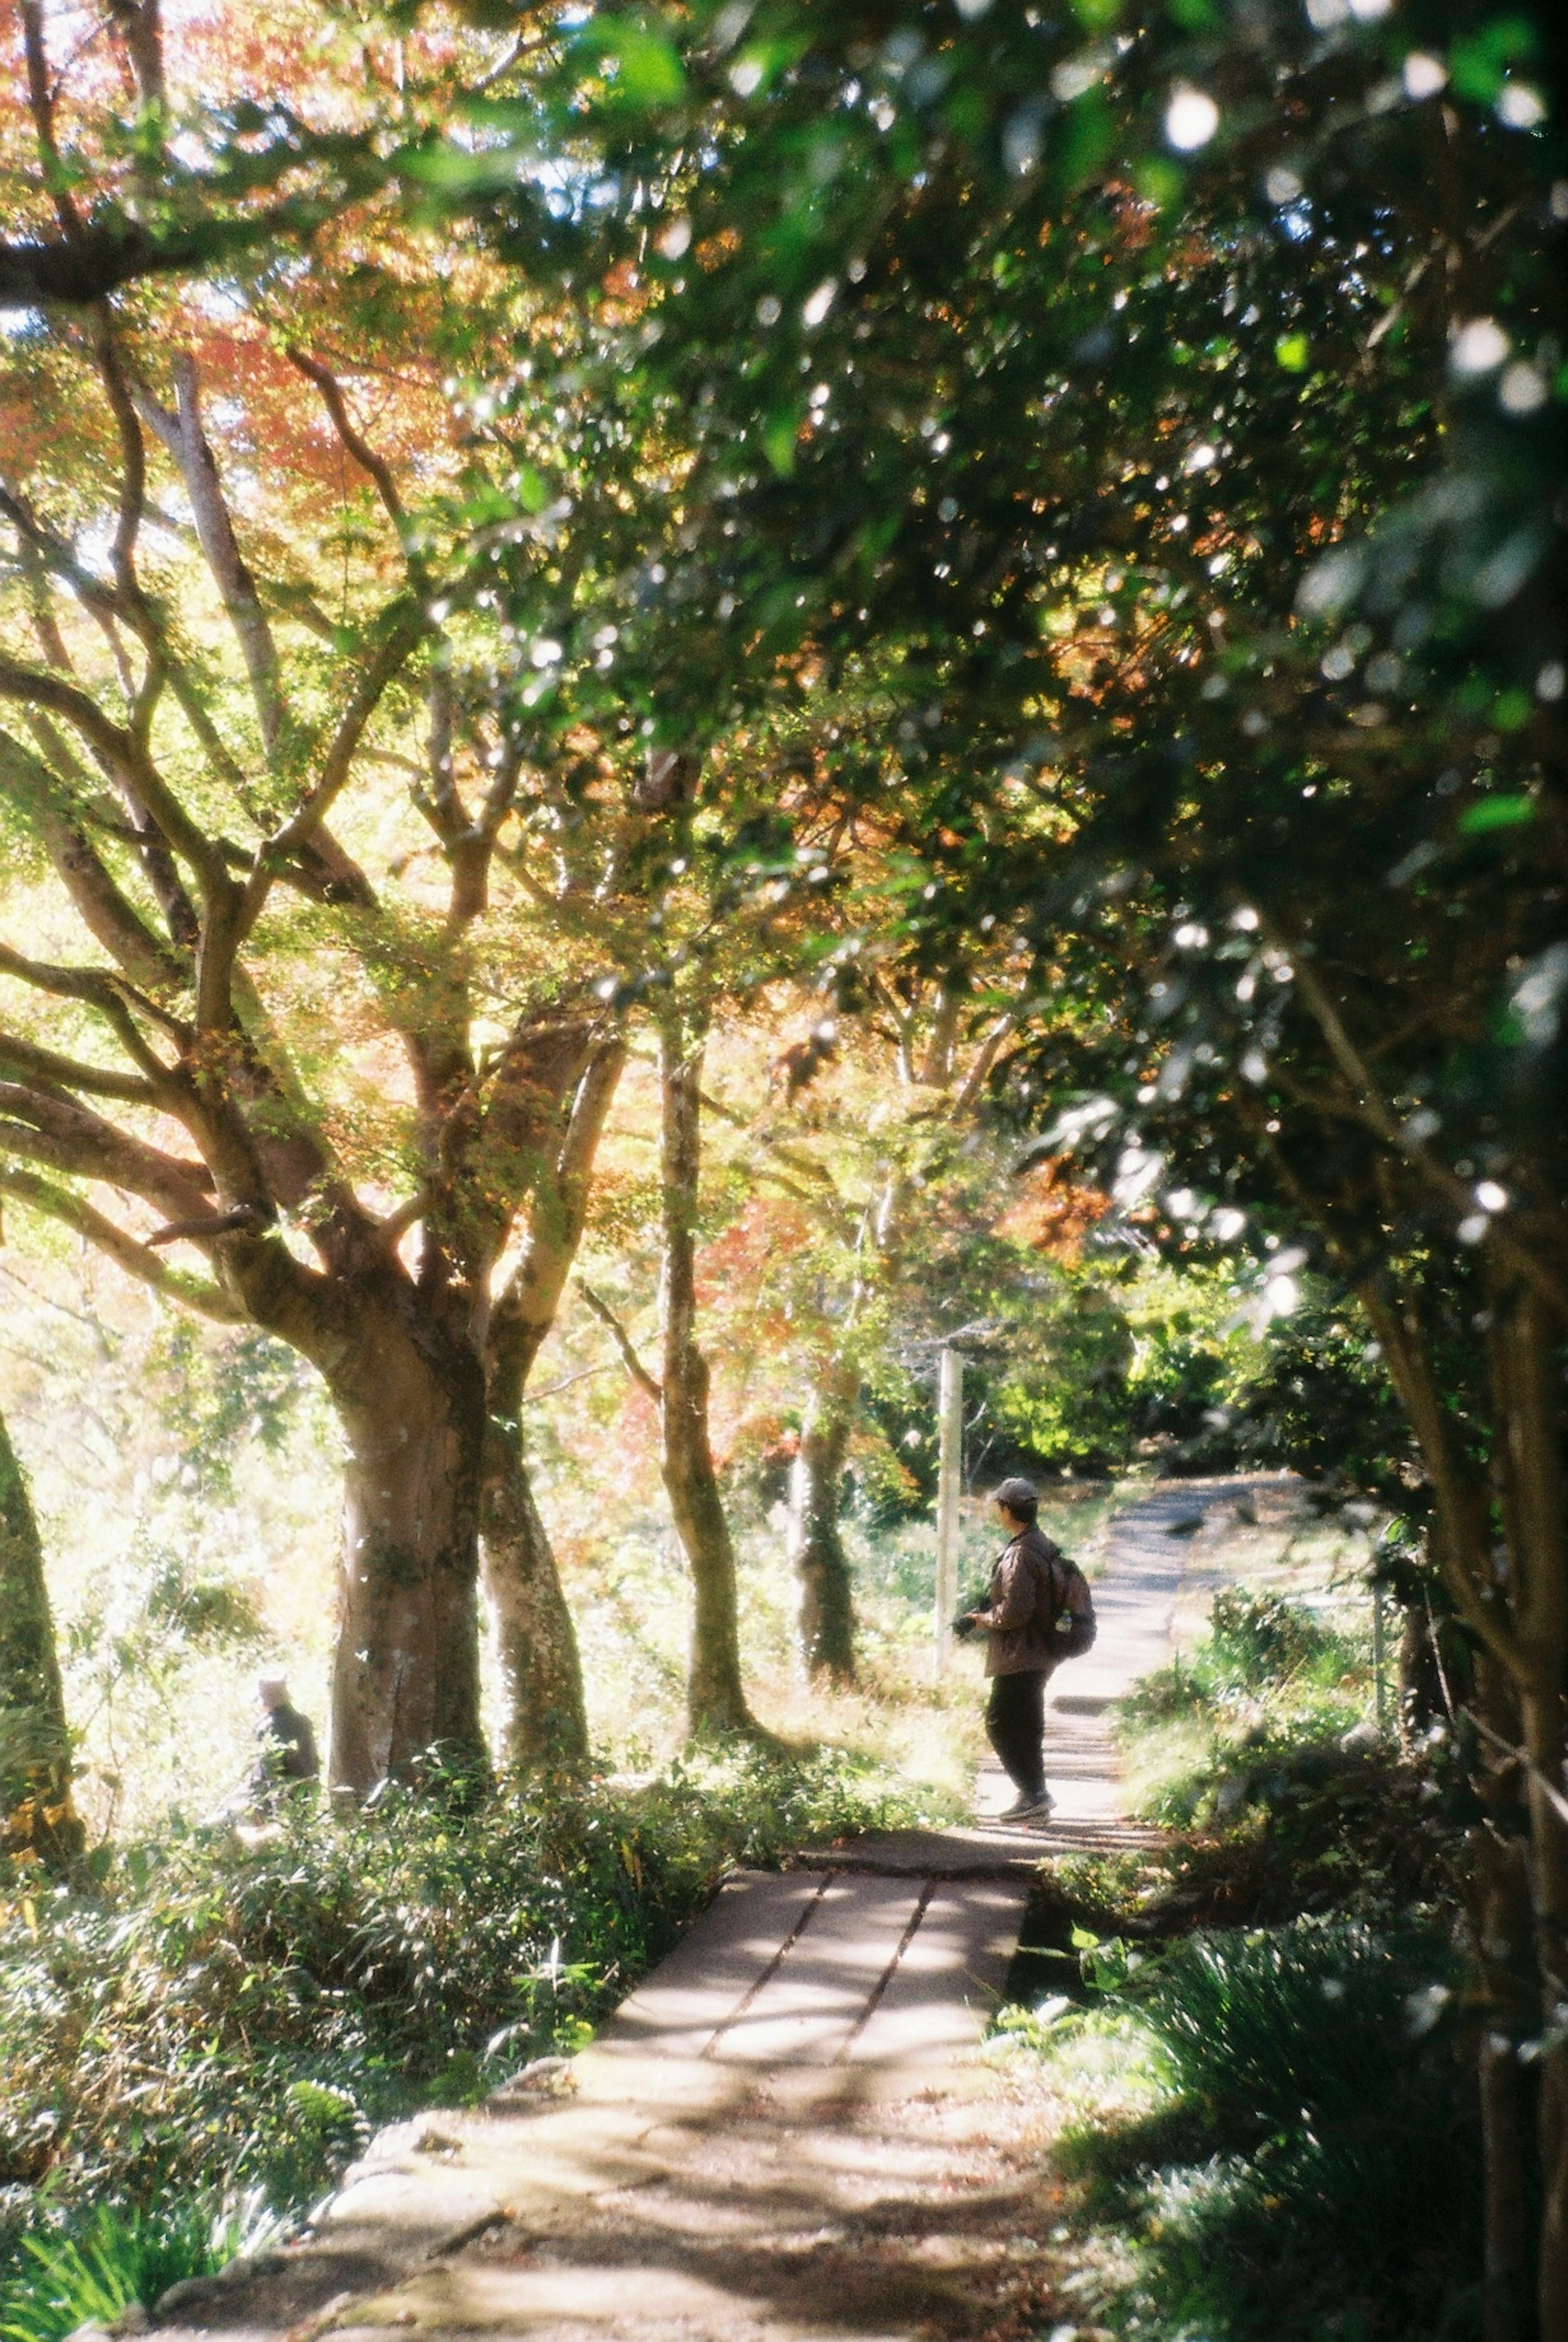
[
  {"x": 271, "y": 1682},
  {"x": 1018, "y": 1496}
]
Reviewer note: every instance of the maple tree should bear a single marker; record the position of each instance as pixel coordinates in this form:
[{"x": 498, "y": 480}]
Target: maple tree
[{"x": 225, "y": 522}]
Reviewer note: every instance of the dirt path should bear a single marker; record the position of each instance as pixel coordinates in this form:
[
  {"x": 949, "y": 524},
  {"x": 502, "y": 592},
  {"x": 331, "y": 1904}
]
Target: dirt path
[{"x": 789, "y": 2130}]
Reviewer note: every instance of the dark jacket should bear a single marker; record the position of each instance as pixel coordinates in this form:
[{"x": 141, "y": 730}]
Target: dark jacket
[
  {"x": 1034, "y": 1588},
  {"x": 287, "y": 1750}
]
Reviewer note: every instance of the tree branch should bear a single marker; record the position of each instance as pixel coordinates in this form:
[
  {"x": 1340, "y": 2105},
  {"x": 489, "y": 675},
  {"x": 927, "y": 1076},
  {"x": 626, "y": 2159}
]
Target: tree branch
[
  {"x": 623, "y": 1341},
  {"x": 58, "y": 1131},
  {"x": 123, "y": 756},
  {"x": 36, "y": 1065},
  {"x": 1380, "y": 1117},
  {"x": 358, "y": 446},
  {"x": 133, "y": 459},
  {"x": 111, "y": 999},
  {"x": 72, "y": 1211},
  {"x": 300, "y": 830},
  {"x": 185, "y": 439},
  {"x": 109, "y": 917}
]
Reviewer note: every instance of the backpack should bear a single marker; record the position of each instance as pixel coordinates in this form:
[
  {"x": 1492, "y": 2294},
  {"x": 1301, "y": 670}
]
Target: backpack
[{"x": 1060, "y": 1573}]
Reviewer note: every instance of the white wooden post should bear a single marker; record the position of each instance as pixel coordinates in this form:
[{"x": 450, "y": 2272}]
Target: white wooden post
[{"x": 949, "y": 1483}]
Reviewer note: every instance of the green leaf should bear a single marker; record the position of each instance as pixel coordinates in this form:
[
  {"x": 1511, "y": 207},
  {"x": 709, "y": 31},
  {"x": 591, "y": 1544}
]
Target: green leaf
[
  {"x": 779, "y": 434},
  {"x": 1159, "y": 180},
  {"x": 646, "y": 67},
  {"x": 530, "y": 489},
  {"x": 1088, "y": 139},
  {"x": 1292, "y": 351},
  {"x": 1478, "y": 66},
  {"x": 1496, "y": 813}
]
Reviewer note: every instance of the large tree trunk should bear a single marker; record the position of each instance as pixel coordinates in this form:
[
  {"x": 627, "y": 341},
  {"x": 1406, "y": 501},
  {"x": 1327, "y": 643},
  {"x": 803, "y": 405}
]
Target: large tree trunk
[
  {"x": 1549, "y": 1881},
  {"x": 815, "y": 1546},
  {"x": 547, "y": 1722},
  {"x": 36, "y": 1815},
  {"x": 406, "y": 1677},
  {"x": 1502, "y": 1929},
  {"x": 716, "y": 1701},
  {"x": 1526, "y": 1337}
]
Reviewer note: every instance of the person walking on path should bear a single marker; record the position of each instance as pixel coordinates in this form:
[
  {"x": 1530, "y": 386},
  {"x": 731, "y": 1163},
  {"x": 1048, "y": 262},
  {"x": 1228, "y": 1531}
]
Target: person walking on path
[{"x": 1038, "y": 1612}]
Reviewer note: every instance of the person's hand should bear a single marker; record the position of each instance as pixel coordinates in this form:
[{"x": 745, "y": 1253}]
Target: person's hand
[{"x": 967, "y": 1623}]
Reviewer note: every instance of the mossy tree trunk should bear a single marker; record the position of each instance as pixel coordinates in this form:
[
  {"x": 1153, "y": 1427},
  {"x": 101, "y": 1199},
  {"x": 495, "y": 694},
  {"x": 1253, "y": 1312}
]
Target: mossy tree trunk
[
  {"x": 546, "y": 1722},
  {"x": 815, "y": 1541},
  {"x": 716, "y": 1700},
  {"x": 406, "y": 1676},
  {"x": 36, "y": 1812}
]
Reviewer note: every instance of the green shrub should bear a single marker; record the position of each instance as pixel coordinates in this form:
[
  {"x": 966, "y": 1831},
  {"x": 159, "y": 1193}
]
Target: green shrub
[
  {"x": 1310, "y": 2167},
  {"x": 221, "y": 2018},
  {"x": 1259, "y": 1639}
]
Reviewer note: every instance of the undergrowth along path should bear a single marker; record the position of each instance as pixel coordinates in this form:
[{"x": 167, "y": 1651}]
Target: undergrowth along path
[{"x": 790, "y": 2129}]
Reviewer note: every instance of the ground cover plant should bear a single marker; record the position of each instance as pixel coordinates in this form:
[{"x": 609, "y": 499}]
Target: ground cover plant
[
  {"x": 215, "y": 2027},
  {"x": 1270, "y": 1689}
]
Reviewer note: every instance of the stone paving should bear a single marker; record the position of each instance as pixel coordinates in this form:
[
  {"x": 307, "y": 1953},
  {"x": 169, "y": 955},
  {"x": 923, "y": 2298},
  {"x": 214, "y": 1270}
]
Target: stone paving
[{"x": 788, "y": 2131}]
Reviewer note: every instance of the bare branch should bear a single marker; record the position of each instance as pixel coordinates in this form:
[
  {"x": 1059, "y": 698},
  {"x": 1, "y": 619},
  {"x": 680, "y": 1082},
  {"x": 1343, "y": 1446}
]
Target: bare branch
[
  {"x": 72, "y": 1211},
  {"x": 526, "y": 1308},
  {"x": 141, "y": 22},
  {"x": 208, "y": 1227},
  {"x": 623, "y": 1341},
  {"x": 123, "y": 756},
  {"x": 301, "y": 829},
  {"x": 41, "y": 104},
  {"x": 109, "y": 917},
  {"x": 1501, "y": 1234},
  {"x": 358, "y": 446},
  {"x": 184, "y": 436},
  {"x": 113, "y": 999},
  {"x": 34, "y": 1063},
  {"x": 133, "y": 455},
  {"x": 48, "y": 1127},
  {"x": 975, "y": 1080}
]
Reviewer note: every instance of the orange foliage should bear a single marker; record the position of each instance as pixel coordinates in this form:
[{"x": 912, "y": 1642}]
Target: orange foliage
[{"x": 1053, "y": 1214}]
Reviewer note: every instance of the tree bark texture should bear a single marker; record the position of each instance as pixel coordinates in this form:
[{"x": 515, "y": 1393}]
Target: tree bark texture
[
  {"x": 715, "y": 1700},
  {"x": 405, "y": 1675},
  {"x": 1526, "y": 1341},
  {"x": 546, "y": 1721},
  {"x": 815, "y": 1546},
  {"x": 36, "y": 1815},
  {"x": 1518, "y": 1612},
  {"x": 1500, "y": 1925}
]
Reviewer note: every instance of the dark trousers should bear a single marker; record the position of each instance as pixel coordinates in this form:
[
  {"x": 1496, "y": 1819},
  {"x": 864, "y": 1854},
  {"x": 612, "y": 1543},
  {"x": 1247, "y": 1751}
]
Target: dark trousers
[{"x": 1015, "y": 1726}]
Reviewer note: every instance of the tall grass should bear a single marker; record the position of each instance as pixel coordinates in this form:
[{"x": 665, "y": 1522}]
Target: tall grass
[{"x": 112, "y": 2259}]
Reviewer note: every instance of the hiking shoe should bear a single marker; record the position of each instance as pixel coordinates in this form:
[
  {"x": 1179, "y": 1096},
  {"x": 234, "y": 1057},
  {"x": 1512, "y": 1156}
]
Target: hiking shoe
[{"x": 1026, "y": 1805}]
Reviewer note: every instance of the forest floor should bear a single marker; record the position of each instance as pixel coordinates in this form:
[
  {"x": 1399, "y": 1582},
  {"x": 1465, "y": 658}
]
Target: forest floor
[{"x": 794, "y": 2127}]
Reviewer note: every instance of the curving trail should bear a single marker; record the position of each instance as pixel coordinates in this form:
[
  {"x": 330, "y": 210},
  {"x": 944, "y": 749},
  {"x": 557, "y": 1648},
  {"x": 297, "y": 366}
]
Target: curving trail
[{"x": 787, "y": 2131}]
